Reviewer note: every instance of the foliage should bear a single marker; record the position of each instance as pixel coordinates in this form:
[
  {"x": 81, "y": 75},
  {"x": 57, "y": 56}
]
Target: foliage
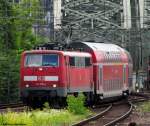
[
  {"x": 16, "y": 25},
  {"x": 9, "y": 74},
  {"x": 46, "y": 107},
  {"x": 40, "y": 118},
  {"x": 6, "y": 27},
  {"x": 76, "y": 104},
  {"x": 26, "y": 11},
  {"x": 145, "y": 107}
]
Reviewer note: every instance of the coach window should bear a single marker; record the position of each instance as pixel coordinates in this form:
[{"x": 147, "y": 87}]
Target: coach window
[
  {"x": 106, "y": 58},
  {"x": 87, "y": 61},
  {"x": 72, "y": 61},
  {"x": 79, "y": 61},
  {"x": 111, "y": 57},
  {"x": 118, "y": 58}
]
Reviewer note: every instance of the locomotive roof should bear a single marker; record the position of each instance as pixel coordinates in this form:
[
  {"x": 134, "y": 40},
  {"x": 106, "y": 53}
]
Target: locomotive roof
[{"x": 67, "y": 53}]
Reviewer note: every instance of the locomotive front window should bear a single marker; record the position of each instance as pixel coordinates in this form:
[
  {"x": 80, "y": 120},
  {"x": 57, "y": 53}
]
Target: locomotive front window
[
  {"x": 50, "y": 60},
  {"x": 35, "y": 60}
]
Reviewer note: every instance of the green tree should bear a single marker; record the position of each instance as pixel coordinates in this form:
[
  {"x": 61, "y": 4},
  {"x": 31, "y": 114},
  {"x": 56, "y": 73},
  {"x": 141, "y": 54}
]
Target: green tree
[
  {"x": 6, "y": 27},
  {"x": 16, "y": 21}
]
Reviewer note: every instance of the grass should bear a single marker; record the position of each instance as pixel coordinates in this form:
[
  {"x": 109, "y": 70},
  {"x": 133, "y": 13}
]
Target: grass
[
  {"x": 144, "y": 107},
  {"x": 49, "y": 117},
  {"x": 40, "y": 118}
]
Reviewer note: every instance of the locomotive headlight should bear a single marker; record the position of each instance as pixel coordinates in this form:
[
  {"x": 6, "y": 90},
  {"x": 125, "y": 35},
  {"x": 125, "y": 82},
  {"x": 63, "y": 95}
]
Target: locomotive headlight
[
  {"x": 136, "y": 84},
  {"x": 27, "y": 85},
  {"x": 40, "y": 69},
  {"x": 54, "y": 85},
  {"x": 137, "y": 91}
]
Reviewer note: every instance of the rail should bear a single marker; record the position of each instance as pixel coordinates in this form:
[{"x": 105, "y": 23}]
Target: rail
[
  {"x": 11, "y": 105},
  {"x": 140, "y": 97},
  {"x": 94, "y": 117},
  {"x": 121, "y": 117}
]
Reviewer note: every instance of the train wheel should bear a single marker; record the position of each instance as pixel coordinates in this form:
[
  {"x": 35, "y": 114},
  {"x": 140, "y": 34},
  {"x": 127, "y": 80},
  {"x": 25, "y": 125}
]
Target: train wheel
[
  {"x": 54, "y": 103},
  {"x": 24, "y": 100},
  {"x": 89, "y": 99},
  {"x": 62, "y": 102}
]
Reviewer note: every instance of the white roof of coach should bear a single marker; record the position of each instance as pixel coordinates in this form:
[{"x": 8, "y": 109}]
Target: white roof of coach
[
  {"x": 79, "y": 54},
  {"x": 104, "y": 47}
]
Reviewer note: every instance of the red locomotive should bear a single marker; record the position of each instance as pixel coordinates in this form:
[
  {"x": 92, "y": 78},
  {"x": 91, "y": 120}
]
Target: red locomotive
[{"x": 100, "y": 70}]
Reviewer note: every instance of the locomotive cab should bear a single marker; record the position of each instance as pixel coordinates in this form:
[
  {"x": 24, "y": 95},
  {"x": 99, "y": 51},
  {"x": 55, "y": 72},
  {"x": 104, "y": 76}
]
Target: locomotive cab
[
  {"x": 53, "y": 74},
  {"x": 41, "y": 74}
]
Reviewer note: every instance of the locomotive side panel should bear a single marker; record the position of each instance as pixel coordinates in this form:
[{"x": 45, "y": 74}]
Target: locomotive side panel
[
  {"x": 80, "y": 80},
  {"x": 79, "y": 74}
]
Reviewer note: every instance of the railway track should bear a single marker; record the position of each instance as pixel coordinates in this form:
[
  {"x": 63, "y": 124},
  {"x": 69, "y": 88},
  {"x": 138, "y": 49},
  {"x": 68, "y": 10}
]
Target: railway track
[
  {"x": 113, "y": 115},
  {"x": 105, "y": 118},
  {"x": 120, "y": 117},
  {"x": 11, "y": 105},
  {"x": 17, "y": 107},
  {"x": 139, "y": 97},
  {"x": 97, "y": 116},
  {"x": 141, "y": 94}
]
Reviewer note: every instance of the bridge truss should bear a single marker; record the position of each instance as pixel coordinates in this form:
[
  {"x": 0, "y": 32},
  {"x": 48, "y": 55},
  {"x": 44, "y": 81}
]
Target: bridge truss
[
  {"x": 122, "y": 22},
  {"x": 98, "y": 20}
]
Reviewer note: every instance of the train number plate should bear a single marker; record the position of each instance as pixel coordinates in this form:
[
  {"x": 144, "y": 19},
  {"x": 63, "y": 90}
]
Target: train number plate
[{"x": 40, "y": 78}]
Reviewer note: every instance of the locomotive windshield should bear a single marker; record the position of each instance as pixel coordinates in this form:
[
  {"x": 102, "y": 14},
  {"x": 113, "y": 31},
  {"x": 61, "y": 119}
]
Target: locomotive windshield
[{"x": 35, "y": 60}]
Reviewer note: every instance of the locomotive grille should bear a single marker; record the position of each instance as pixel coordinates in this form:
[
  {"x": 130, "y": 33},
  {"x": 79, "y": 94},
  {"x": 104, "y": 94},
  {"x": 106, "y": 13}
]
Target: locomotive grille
[{"x": 110, "y": 85}]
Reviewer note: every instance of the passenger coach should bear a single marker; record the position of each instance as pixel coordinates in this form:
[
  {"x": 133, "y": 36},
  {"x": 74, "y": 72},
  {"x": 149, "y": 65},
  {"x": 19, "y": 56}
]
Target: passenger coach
[{"x": 112, "y": 68}]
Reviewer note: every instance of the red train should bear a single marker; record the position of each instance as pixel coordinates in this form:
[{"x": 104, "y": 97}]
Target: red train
[{"x": 99, "y": 71}]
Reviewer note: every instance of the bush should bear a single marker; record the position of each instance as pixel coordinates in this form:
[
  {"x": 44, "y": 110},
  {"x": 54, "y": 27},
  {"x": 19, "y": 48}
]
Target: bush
[{"x": 76, "y": 104}]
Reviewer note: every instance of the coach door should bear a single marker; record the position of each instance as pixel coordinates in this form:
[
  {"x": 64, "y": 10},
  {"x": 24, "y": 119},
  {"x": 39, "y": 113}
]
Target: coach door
[
  {"x": 100, "y": 79},
  {"x": 124, "y": 76}
]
